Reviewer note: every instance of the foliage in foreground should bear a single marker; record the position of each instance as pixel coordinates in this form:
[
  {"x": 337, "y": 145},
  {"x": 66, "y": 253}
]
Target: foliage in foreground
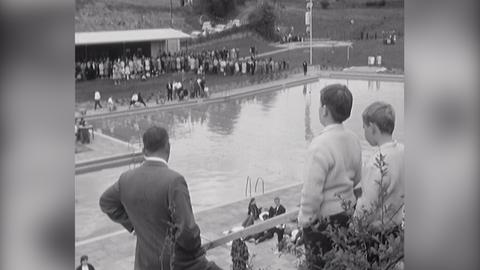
[{"x": 366, "y": 243}]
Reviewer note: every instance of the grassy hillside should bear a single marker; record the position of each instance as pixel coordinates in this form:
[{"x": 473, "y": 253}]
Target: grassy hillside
[
  {"x": 334, "y": 22},
  {"x": 96, "y": 15}
]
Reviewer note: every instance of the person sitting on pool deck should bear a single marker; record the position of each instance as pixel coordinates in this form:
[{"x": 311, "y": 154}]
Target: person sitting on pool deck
[
  {"x": 84, "y": 265},
  {"x": 253, "y": 213},
  {"x": 279, "y": 229}
]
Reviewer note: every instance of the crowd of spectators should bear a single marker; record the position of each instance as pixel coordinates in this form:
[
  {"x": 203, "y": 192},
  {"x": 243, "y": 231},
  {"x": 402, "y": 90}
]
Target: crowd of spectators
[{"x": 223, "y": 62}]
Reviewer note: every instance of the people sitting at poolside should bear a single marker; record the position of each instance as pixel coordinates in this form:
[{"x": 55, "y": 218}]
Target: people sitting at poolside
[
  {"x": 82, "y": 133},
  {"x": 252, "y": 213},
  {"x": 136, "y": 98}
]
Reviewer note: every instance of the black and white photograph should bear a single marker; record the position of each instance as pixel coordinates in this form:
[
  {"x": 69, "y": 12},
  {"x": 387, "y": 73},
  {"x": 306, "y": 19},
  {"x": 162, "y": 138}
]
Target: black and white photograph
[{"x": 239, "y": 134}]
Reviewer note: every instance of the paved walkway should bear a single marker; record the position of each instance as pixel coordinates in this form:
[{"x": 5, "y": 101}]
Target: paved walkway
[
  {"x": 116, "y": 250},
  {"x": 102, "y": 146}
]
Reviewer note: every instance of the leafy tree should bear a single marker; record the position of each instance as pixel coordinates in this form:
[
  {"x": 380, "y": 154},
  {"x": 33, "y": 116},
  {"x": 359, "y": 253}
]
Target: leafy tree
[{"x": 263, "y": 20}]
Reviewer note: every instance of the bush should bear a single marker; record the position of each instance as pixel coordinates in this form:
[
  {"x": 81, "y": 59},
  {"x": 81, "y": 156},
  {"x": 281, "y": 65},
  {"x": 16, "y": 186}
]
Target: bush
[
  {"x": 375, "y": 3},
  {"x": 215, "y": 8},
  {"x": 325, "y": 4},
  {"x": 263, "y": 20}
]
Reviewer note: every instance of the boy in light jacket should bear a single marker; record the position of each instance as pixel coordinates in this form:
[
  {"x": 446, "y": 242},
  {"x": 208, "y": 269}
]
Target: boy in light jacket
[
  {"x": 333, "y": 168},
  {"x": 378, "y": 124}
]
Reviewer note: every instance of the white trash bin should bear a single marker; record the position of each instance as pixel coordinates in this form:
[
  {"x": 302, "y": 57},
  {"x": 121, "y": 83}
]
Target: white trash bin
[
  {"x": 371, "y": 60},
  {"x": 379, "y": 60}
]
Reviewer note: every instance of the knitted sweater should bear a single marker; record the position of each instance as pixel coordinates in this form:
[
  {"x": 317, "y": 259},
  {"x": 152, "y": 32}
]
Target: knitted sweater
[
  {"x": 333, "y": 167},
  {"x": 393, "y": 180}
]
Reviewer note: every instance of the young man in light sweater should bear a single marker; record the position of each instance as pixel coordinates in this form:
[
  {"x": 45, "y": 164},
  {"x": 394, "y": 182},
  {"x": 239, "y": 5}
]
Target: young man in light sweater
[
  {"x": 378, "y": 124},
  {"x": 333, "y": 168}
]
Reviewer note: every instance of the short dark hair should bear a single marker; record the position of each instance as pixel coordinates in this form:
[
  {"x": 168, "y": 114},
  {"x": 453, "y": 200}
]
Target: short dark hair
[
  {"x": 382, "y": 115},
  {"x": 83, "y": 258},
  {"x": 338, "y": 99},
  {"x": 155, "y": 138}
]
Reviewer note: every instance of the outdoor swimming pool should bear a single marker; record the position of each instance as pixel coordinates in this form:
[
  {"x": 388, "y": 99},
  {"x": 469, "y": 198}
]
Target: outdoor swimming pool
[{"x": 217, "y": 146}]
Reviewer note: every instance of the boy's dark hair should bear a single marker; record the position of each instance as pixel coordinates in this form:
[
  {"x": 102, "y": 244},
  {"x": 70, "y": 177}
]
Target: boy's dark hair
[
  {"x": 83, "y": 258},
  {"x": 338, "y": 99},
  {"x": 155, "y": 138},
  {"x": 380, "y": 114}
]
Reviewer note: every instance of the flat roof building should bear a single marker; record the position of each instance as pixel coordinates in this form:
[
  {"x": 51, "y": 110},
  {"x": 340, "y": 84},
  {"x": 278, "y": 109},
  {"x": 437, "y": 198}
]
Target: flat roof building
[{"x": 114, "y": 44}]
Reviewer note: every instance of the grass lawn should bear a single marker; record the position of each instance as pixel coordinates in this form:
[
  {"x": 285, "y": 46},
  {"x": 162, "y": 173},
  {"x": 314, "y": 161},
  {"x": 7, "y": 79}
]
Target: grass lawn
[
  {"x": 243, "y": 43},
  {"x": 392, "y": 55},
  {"x": 336, "y": 23}
]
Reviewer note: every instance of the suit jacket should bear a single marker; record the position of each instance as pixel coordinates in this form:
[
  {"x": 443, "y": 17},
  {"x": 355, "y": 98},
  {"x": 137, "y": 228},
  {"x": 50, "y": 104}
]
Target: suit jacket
[
  {"x": 153, "y": 199},
  {"x": 90, "y": 267},
  {"x": 272, "y": 212}
]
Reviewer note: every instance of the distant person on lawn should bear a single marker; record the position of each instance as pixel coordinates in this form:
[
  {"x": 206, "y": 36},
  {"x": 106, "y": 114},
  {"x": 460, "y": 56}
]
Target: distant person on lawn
[
  {"x": 133, "y": 100},
  {"x": 97, "y": 98},
  {"x": 305, "y": 68}
]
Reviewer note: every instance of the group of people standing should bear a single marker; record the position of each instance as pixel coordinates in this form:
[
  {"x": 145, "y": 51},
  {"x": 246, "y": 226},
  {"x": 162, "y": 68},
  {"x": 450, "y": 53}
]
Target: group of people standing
[
  {"x": 175, "y": 91},
  {"x": 219, "y": 61},
  {"x": 151, "y": 198},
  {"x": 178, "y": 90}
]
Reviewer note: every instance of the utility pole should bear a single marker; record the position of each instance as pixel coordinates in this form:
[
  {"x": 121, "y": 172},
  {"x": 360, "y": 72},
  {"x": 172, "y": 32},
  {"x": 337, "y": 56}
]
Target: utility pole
[
  {"x": 311, "y": 32},
  {"x": 171, "y": 13}
]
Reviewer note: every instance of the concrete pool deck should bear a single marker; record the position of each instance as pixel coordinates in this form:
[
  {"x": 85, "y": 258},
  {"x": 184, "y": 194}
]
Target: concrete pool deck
[{"x": 116, "y": 250}]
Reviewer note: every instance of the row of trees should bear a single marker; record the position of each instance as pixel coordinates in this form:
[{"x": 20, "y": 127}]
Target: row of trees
[
  {"x": 262, "y": 20},
  {"x": 217, "y": 8}
]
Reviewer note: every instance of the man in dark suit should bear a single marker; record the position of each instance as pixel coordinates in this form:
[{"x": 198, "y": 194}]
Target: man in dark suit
[
  {"x": 169, "y": 91},
  {"x": 153, "y": 202},
  {"x": 84, "y": 265},
  {"x": 279, "y": 229}
]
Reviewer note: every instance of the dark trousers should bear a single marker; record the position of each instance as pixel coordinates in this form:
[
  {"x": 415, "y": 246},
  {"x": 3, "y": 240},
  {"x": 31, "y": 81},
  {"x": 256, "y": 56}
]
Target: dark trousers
[
  {"x": 97, "y": 103},
  {"x": 169, "y": 95},
  {"x": 317, "y": 243},
  {"x": 269, "y": 235},
  {"x": 140, "y": 100}
]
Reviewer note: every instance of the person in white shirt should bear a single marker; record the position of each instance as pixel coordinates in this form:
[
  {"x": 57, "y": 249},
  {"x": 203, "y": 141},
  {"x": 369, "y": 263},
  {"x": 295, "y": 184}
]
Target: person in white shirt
[
  {"x": 134, "y": 100},
  {"x": 111, "y": 104},
  {"x": 378, "y": 124},
  {"x": 97, "y": 98},
  {"x": 84, "y": 265},
  {"x": 333, "y": 167}
]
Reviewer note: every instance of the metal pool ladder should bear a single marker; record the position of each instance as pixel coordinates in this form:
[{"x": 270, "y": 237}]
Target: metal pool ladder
[{"x": 248, "y": 186}]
